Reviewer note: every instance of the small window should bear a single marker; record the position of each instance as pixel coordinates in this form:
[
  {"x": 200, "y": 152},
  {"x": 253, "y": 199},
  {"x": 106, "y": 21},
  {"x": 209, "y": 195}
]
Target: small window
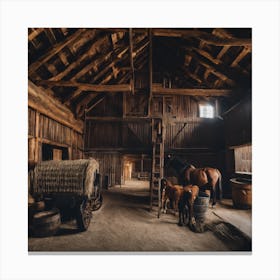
[
  {"x": 206, "y": 111},
  {"x": 243, "y": 159}
]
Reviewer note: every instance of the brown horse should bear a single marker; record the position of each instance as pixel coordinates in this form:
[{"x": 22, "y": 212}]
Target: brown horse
[
  {"x": 208, "y": 179},
  {"x": 182, "y": 199},
  {"x": 185, "y": 205},
  {"x": 170, "y": 192}
]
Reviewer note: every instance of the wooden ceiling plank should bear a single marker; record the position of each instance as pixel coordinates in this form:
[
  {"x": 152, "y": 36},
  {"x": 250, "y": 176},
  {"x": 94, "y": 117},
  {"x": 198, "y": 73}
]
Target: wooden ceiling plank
[{"x": 58, "y": 47}]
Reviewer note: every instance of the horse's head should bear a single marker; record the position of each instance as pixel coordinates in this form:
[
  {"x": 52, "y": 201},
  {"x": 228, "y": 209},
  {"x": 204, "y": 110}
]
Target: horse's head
[{"x": 164, "y": 184}]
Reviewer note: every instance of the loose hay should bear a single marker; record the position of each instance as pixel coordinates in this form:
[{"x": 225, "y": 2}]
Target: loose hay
[
  {"x": 71, "y": 176},
  {"x": 232, "y": 236}
]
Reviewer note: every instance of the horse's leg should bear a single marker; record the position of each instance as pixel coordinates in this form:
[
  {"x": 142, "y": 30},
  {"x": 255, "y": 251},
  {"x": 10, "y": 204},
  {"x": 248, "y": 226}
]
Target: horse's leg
[
  {"x": 213, "y": 188},
  {"x": 193, "y": 193},
  {"x": 163, "y": 204},
  {"x": 181, "y": 213}
]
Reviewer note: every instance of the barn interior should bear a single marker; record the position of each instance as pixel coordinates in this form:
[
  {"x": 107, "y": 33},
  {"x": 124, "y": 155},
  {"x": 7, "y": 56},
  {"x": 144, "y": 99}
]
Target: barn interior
[{"x": 129, "y": 98}]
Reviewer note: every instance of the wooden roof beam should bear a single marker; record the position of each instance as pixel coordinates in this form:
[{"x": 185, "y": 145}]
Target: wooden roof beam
[
  {"x": 90, "y": 52},
  {"x": 216, "y": 72},
  {"x": 86, "y": 87},
  {"x": 55, "y": 49},
  {"x": 35, "y": 32},
  {"x": 242, "y": 54},
  {"x": 158, "y": 89},
  {"x": 196, "y": 33},
  {"x": 220, "y": 62}
]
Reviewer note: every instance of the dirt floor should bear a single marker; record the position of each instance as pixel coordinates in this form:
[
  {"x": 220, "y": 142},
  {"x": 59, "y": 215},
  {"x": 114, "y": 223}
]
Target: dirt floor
[{"x": 125, "y": 224}]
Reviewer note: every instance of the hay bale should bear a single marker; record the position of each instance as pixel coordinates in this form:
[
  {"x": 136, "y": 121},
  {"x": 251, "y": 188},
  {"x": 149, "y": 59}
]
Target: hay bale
[{"x": 66, "y": 176}]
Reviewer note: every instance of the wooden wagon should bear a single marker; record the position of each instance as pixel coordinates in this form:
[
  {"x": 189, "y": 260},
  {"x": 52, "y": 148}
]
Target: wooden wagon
[{"x": 69, "y": 185}]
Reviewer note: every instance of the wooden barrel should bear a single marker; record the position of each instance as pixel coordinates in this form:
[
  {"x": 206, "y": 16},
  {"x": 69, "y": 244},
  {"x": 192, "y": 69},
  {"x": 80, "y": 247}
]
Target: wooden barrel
[
  {"x": 241, "y": 193},
  {"x": 46, "y": 223},
  {"x": 200, "y": 206}
]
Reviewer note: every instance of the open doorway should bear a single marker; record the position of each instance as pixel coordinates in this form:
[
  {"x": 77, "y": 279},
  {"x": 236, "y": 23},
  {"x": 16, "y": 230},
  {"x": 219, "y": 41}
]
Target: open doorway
[{"x": 136, "y": 171}]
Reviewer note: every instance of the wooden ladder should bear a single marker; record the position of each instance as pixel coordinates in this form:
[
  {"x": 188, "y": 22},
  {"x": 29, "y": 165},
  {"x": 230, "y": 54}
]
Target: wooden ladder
[{"x": 157, "y": 164}]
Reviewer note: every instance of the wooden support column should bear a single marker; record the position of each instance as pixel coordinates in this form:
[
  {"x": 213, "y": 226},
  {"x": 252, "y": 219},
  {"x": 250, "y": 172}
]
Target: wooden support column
[
  {"x": 150, "y": 72},
  {"x": 217, "y": 108},
  {"x": 37, "y": 135},
  {"x": 70, "y": 148},
  {"x": 142, "y": 163},
  {"x": 132, "y": 79}
]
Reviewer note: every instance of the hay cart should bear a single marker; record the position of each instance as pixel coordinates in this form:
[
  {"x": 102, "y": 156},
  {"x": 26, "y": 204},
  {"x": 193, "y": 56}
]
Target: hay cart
[{"x": 72, "y": 186}]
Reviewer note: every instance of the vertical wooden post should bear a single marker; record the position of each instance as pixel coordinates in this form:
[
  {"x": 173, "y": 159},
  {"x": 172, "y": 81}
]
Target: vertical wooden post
[
  {"x": 70, "y": 148},
  {"x": 150, "y": 71},
  {"x": 132, "y": 79},
  {"x": 217, "y": 108},
  {"x": 142, "y": 163},
  {"x": 124, "y": 104},
  {"x": 37, "y": 135}
]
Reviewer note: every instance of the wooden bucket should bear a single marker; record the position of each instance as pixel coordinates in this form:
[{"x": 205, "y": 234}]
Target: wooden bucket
[
  {"x": 46, "y": 223},
  {"x": 200, "y": 206},
  {"x": 241, "y": 193}
]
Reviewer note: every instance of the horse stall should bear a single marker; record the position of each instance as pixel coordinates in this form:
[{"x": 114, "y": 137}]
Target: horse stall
[{"x": 165, "y": 115}]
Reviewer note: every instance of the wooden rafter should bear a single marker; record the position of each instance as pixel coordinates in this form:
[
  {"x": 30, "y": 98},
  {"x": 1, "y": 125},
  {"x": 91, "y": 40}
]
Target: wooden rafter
[
  {"x": 50, "y": 35},
  {"x": 195, "y": 33},
  {"x": 242, "y": 54},
  {"x": 220, "y": 62},
  {"x": 213, "y": 69},
  {"x": 86, "y": 87},
  {"x": 158, "y": 89},
  {"x": 121, "y": 55},
  {"x": 35, "y": 32},
  {"x": 55, "y": 49},
  {"x": 89, "y": 53}
]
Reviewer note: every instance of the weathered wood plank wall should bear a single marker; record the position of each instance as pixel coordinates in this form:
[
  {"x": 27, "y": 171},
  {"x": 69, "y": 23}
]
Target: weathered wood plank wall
[
  {"x": 53, "y": 133},
  {"x": 238, "y": 132},
  {"x": 110, "y": 166}
]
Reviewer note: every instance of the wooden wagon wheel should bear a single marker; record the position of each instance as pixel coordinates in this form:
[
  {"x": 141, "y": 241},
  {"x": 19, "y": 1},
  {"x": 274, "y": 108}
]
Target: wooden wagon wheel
[
  {"x": 97, "y": 203},
  {"x": 84, "y": 215}
]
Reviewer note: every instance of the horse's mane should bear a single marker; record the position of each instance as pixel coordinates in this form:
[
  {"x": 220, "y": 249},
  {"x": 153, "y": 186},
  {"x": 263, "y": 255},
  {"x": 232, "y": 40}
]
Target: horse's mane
[{"x": 178, "y": 163}]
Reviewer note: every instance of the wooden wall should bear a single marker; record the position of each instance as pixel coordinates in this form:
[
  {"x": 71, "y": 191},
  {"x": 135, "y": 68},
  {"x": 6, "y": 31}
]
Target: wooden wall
[
  {"x": 53, "y": 133},
  {"x": 110, "y": 130},
  {"x": 184, "y": 128},
  {"x": 110, "y": 166},
  {"x": 115, "y": 134},
  {"x": 238, "y": 132},
  {"x": 49, "y": 122}
]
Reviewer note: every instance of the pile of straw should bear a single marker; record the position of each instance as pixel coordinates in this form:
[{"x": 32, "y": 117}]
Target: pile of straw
[{"x": 65, "y": 176}]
